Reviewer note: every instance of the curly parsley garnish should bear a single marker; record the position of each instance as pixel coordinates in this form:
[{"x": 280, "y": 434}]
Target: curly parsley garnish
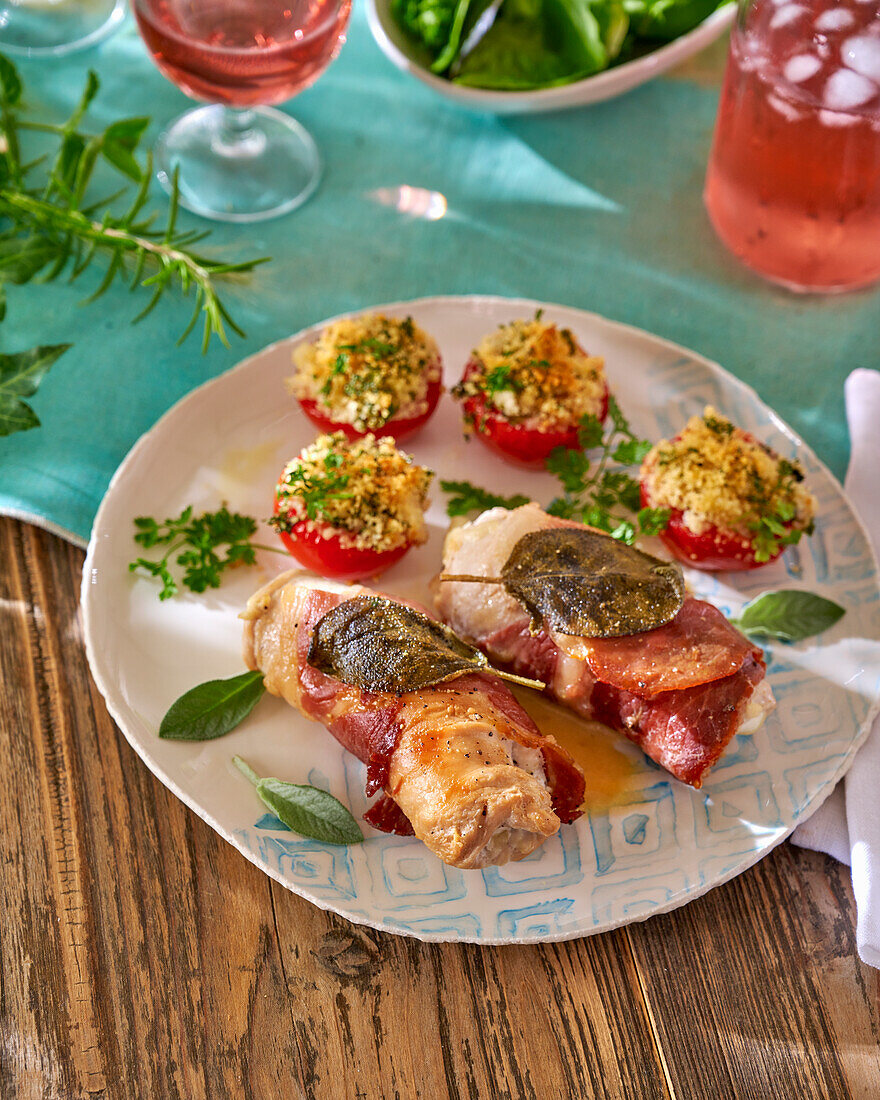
[
  {"x": 198, "y": 543},
  {"x": 465, "y": 497},
  {"x": 598, "y": 493},
  {"x": 774, "y": 530},
  {"x": 596, "y": 490}
]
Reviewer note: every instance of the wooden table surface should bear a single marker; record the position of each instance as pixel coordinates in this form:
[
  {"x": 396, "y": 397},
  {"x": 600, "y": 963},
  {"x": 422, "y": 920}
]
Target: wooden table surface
[{"x": 142, "y": 956}]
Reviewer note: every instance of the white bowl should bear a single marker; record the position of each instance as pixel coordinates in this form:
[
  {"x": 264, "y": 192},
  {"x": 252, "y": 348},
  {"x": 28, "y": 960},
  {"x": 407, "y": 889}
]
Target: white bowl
[{"x": 613, "y": 82}]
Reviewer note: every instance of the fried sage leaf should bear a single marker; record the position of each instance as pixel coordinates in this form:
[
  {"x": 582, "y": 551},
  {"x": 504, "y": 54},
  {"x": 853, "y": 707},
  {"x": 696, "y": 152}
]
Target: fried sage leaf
[
  {"x": 585, "y": 583},
  {"x": 379, "y": 645}
]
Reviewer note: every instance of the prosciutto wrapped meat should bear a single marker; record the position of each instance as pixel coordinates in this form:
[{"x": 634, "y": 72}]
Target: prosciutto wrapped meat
[
  {"x": 460, "y": 763},
  {"x": 680, "y": 691}
]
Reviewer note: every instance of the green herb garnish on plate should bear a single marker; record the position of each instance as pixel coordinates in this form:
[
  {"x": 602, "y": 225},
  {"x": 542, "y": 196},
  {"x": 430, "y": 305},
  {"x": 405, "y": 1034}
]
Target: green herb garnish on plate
[
  {"x": 202, "y": 546},
  {"x": 306, "y": 810},
  {"x": 788, "y": 615}
]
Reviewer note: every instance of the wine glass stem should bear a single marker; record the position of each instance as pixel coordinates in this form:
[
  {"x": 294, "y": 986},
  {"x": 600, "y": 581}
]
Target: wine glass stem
[{"x": 237, "y": 135}]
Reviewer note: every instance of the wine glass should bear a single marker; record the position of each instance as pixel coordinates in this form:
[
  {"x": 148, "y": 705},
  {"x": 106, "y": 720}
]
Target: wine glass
[
  {"x": 237, "y": 159},
  {"x": 52, "y": 28}
]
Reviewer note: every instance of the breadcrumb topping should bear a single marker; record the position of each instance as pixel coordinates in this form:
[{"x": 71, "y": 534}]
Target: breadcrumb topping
[
  {"x": 532, "y": 371},
  {"x": 367, "y": 370},
  {"x": 717, "y": 475},
  {"x": 367, "y": 492}
]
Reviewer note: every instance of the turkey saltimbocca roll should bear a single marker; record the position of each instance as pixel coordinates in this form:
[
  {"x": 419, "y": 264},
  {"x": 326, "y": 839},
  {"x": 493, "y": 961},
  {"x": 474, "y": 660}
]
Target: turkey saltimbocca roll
[
  {"x": 680, "y": 690},
  {"x": 460, "y": 762}
]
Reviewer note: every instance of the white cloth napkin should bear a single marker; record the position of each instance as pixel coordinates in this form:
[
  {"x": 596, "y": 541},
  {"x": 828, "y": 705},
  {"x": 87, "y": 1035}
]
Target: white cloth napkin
[{"x": 847, "y": 826}]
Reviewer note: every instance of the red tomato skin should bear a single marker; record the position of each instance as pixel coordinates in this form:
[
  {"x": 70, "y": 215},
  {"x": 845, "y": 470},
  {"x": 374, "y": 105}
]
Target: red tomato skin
[
  {"x": 329, "y": 558},
  {"x": 513, "y": 442},
  {"x": 397, "y": 427},
  {"x": 713, "y": 551}
]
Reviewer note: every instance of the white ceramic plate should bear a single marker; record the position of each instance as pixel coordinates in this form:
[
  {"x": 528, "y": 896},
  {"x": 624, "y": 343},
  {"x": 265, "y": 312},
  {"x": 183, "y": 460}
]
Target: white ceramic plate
[
  {"x": 593, "y": 89},
  {"x": 663, "y": 845}
]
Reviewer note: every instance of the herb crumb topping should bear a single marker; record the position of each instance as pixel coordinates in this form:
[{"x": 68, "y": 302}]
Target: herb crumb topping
[
  {"x": 366, "y": 491},
  {"x": 532, "y": 371},
  {"x": 717, "y": 475},
  {"x": 367, "y": 370}
]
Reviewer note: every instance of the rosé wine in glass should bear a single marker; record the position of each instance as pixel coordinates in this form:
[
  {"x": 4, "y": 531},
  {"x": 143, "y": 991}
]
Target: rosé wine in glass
[
  {"x": 255, "y": 51},
  {"x": 793, "y": 185},
  {"x": 239, "y": 160}
]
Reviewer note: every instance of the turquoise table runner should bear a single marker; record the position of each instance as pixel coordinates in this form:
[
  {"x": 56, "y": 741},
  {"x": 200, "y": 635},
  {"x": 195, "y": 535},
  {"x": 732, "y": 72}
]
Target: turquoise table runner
[{"x": 598, "y": 208}]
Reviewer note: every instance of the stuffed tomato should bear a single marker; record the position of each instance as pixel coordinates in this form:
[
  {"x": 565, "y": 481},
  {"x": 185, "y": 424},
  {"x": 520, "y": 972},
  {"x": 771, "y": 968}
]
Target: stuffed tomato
[
  {"x": 733, "y": 502},
  {"x": 368, "y": 374},
  {"x": 526, "y": 389},
  {"x": 350, "y": 509}
]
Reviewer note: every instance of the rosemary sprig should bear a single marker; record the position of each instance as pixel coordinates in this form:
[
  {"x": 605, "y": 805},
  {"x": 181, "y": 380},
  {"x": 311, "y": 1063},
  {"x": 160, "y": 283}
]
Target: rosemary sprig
[{"x": 52, "y": 224}]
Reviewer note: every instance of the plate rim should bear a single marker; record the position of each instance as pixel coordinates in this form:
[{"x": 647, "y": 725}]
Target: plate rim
[{"x": 103, "y": 682}]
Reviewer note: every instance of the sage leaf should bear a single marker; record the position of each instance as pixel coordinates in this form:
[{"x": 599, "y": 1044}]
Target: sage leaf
[
  {"x": 20, "y": 375},
  {"x": 306, "y": 810},
  {"x": 789, "y": 615},
  {"x": 213, "y": 708},
  {"x": 584, "y": 583},
  {"x": 378, "y": 645}
]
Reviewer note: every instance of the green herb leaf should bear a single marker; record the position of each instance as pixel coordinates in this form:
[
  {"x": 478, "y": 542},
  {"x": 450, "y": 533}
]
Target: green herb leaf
[
  {"x": 10, "y": 82},
  {"x": 596, "y": 492},
  {"x": 213, "y": 708},
  {"x": 315, "y": 490},
  {"x": 380, "y": 645},
  {"x": 20, "y": 375},
  {"x": 198, "y": 544},
  {"x": 465, "y": 498},
  {"x": 653, "y": 520},
  {"x": 52, "y": 225},
  {"x": 306, "y": 810},
  {"x": 788, "y": 614},
  {"x": 120, "y": 140}
]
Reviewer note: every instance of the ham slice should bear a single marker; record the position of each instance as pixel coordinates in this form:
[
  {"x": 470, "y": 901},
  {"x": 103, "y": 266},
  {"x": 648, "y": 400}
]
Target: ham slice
[
  {"x": 680, "y": 692},
  {"x": 697, "y": 647},
  {"x": 460, "y": 764}
]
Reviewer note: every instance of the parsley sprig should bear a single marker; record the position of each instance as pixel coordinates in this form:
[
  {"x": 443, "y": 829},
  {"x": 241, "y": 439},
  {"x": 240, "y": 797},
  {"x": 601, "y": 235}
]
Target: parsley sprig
[
  {"x": 197, "y": 542},
  {"x": 599, "y": 492},
  {"x": 771, "y": 532},
  {"x": 465, "y": 498}
]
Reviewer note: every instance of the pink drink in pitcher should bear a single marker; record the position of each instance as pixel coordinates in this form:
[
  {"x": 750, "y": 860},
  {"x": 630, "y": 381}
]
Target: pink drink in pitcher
[{"x": 793, "y": 186}]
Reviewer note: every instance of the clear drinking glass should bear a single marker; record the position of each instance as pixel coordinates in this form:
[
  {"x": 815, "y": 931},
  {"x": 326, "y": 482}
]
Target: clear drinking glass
[
  {"x": 793, "y": 185},
  {"x": 238, "y": 159},
  {"x": 52, "y": 28}
]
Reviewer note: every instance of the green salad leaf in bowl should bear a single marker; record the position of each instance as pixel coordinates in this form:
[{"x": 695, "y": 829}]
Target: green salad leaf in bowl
[{"x": 523, "y": 45}]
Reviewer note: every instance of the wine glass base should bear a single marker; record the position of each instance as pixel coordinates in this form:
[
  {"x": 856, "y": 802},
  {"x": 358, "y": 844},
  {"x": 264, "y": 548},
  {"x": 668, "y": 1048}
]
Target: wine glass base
[
  {"x": 238, "y": 165},
  {"x": 55, "y": 29}
]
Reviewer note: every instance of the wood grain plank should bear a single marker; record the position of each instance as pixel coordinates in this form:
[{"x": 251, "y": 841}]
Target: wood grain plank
[
  {"x": 403, "y": 1018},
  {"x": 757, "y": 1015},
  {"x": 149, "y": 942}
]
